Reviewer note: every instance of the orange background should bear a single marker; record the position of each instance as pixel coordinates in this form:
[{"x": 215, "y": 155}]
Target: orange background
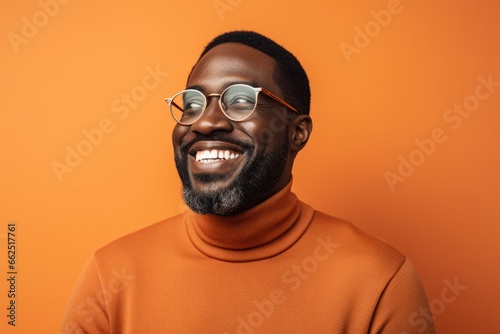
[{"x": 367, "y": 113}]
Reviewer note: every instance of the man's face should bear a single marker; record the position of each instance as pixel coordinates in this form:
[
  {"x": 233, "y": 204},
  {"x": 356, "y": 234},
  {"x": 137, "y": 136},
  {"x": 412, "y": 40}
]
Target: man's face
[{"x": 255, "y": 160}]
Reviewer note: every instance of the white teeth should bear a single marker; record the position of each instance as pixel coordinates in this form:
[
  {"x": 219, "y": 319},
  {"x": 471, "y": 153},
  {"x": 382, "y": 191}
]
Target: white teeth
[{"x": 215, "y": 155}]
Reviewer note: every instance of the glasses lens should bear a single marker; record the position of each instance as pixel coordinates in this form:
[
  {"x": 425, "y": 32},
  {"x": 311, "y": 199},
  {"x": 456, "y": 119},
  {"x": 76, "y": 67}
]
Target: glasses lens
[
  {"x": 187, "y": 106},
  {"x": 238, "y": 101}
]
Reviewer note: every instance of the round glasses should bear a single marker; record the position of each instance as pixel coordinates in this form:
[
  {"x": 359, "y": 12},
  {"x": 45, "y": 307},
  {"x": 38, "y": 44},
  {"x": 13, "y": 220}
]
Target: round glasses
[{"x": 237, "y": 102}]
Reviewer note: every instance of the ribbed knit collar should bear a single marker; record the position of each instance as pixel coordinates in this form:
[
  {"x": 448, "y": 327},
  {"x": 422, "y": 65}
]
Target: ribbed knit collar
[{"x": 262, "y": 231}]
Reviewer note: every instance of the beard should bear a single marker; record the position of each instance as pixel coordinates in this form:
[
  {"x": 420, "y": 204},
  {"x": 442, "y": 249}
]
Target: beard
[{"x": 256, "y": 177}]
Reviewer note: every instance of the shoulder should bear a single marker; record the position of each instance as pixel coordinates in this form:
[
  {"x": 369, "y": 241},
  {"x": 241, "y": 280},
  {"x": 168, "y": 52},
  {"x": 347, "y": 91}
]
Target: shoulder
[
  {"x": 353, "y": 238},
  {"x": 362, "y": 270},
  {"x": 357, "y": 251},
  {"x": 157, "y": 238}
]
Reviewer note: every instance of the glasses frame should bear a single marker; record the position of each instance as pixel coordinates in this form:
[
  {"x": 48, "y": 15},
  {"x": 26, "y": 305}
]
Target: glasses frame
[{"x": 257, "y": 90}]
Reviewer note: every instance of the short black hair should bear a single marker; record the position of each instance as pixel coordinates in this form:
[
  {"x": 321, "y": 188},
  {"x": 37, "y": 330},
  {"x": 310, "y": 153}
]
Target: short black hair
[{"x": 288, "y": 74}]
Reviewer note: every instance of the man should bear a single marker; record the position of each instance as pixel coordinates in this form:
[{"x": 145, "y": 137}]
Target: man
[{"x": 249, "y": 257}]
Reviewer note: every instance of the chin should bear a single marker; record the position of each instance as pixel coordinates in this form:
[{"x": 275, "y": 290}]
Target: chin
[{"x": 222, "y": 201}]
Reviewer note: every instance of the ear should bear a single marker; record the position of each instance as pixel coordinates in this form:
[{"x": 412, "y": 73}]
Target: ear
[{"x": 300, "y": 130}]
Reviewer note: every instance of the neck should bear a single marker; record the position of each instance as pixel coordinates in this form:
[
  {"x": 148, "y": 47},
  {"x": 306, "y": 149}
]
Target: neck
[{"x": 262, "y": 231}]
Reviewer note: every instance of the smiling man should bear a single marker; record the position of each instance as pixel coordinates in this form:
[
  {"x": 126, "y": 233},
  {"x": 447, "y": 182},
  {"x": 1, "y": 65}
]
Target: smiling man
[{"x": 248, "y": 257}]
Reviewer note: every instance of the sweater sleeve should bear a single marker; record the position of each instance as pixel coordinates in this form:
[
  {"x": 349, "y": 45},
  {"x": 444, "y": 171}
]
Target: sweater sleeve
[
  {"x": 403, "y": 306},
  {"x": 86, "y": 311}
]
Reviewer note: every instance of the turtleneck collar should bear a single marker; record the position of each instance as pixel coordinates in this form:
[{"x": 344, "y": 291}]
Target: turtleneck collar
[{"x": 262, "y": 231}]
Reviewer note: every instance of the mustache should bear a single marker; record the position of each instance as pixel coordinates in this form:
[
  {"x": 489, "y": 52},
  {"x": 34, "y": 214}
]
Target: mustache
[{"x": 222, "y": 137}]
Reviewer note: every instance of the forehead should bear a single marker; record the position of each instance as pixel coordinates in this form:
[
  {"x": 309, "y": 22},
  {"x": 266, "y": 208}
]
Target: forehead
[{"x": 230, "y": 63}]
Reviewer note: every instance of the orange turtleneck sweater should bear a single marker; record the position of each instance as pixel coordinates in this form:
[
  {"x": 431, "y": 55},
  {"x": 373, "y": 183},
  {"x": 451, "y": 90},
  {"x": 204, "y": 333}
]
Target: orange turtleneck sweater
[{"x": 279, "y": 267}]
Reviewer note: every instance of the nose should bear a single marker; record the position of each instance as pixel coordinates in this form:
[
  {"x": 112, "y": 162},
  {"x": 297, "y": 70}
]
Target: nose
[{"x": 212, "y": 119}]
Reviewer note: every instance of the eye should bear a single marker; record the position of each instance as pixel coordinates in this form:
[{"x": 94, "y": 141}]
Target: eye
[
  {"x": 241, "y": 103},
  {"x": 239, "y": 99},
  {"x": 193, "y": 103}
]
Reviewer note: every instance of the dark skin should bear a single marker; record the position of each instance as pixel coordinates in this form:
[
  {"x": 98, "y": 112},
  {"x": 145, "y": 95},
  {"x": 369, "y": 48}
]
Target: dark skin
[{"x": 222, "y": 66}]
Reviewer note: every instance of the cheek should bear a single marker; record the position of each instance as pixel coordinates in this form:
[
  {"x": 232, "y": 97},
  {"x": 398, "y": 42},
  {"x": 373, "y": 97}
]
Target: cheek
[
  {"x": 268, "y": 134},
  {"x": 178, "y": 134}
]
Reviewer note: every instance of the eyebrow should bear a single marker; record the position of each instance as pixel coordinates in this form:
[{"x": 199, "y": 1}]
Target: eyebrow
[{"x": 250, "y": 83}]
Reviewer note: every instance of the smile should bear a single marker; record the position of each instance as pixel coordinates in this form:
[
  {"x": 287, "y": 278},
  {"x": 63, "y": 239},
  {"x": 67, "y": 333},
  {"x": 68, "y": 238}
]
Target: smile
[{"x": 208, "y": 156}]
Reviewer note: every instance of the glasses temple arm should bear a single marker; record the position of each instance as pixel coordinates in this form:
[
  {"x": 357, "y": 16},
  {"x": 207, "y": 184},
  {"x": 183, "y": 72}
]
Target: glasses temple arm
[
  {"x": 268, "y": 93},
  {"x": 171, "y": 102}
]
